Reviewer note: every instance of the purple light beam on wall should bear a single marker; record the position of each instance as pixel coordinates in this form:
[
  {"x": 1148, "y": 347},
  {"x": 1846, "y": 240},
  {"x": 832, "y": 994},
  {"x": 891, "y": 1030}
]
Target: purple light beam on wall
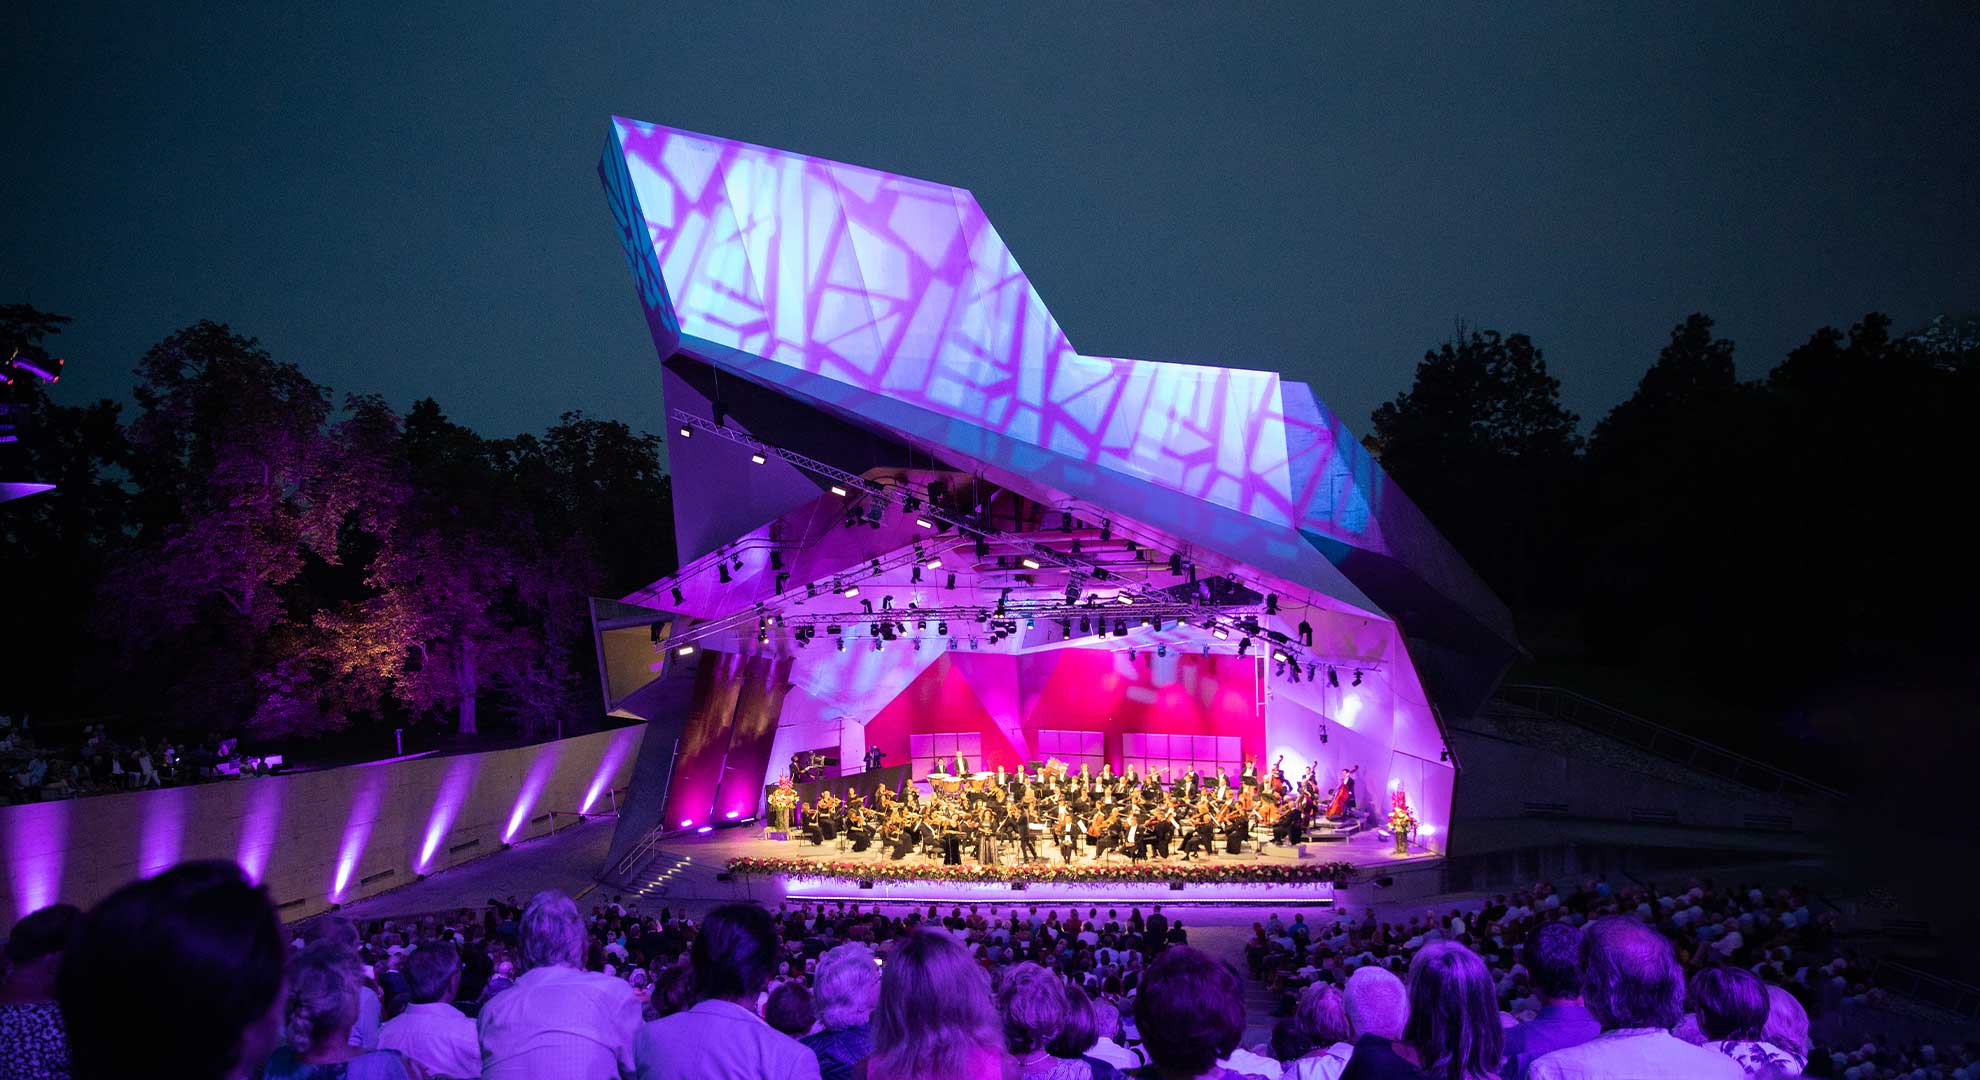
[
  {"x": 162, "y": 833},
  {"x": 454, "y": 788},
  {"x": 357, "y": 832},
  {"x": 37, "y": 846},
  {"x": 532, "y": 787},
  {"x": 258, "y": 827},
  {"x": 608, "y": 766}
]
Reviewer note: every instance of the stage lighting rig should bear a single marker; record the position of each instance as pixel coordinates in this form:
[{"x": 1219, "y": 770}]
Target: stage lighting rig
[{"x": 1357, "y": 677}]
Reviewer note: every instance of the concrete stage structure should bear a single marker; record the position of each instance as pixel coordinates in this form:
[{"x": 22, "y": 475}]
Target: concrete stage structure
[{"x": 913, "y": 518}]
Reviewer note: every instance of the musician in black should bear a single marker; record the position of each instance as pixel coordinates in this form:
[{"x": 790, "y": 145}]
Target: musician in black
[{"x": 1021, "y": 820}]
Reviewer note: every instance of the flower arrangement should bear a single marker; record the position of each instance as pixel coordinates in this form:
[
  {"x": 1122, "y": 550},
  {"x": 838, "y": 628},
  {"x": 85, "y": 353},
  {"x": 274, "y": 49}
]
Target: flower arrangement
[
  {"x": 1401, "y": 820},
  {"x": 1338, "y": 873}
]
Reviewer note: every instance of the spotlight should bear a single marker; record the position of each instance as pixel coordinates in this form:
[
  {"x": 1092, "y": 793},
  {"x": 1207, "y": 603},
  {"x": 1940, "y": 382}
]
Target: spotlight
[
  {"x": 1357, "y": 677},
  {"x": 878, "y": 645},
  {"x": 851, "y": 591},
  {"x": 934, "y": 563},
  {"x": 1161, "y": 650},
  {"x": 1030, "y": 563},
  {"x": 1271, "y": 603},
  {"x": 1085, "y": 626},
  {"x": 1444, "y": 754},
  {"x": 973, "y": 643},
  {"x": 1219, "y": 633},
  {"x": 1106, "y": 529},
  {"x": 952, "y": 582},
  {"x": 914, "y": 575},
  {"x": 865, "y": 604},
  {"x": 685, "y": 650},
  {"x": 909, "y": 504},
  {"x": 1030, "y": 623},
  {"x": 722, "y": 571},
  {"x": 687, "y": 432},
  {"x": 1120, "y": 627},
  {"x": 758, "y": 457},
  {"x": 762, "y": 638},
  {"x": 1279, "y": 669},
  {"x": 1280, "y": 655},
  {"x": 1065, "y": 521},
  {"x": 952, "y": 643},
  {"x": 887, "y": 602},
  {"x": 1295, "y": 673},
  {"x": 1244, "y": 646},
  {"x": 839, "y": 490},
  {"x": 924, "y": 523},
  {"x": 842, "y": 644},
  {"x": 1333, "y": 677},
  {"x": 1075, "y": 545},
  {"x": 653, "y": 632},
  {"x": 679, "y": 599},
  {"x": 917, "y": 644},
  {"x": 1065, "y": 628},
  {"x": 1147, "y": 622},
  {"x": 1175, "y": 565},
  {"x": 783, "y": 581},
  {"x": 942, "y": 628},
  {"x": 1123, "y": 598},
  {"x": 1131, "y": 656},
  {"x": 1309, "y": 672}
]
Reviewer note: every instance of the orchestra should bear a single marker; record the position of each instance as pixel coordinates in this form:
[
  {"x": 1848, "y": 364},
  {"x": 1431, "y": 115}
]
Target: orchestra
[{"x": 993, "y": 817}]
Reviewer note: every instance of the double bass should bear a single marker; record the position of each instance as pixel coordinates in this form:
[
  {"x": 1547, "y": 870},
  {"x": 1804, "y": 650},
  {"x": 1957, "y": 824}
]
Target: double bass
[{"x": 1343, "y": 795}]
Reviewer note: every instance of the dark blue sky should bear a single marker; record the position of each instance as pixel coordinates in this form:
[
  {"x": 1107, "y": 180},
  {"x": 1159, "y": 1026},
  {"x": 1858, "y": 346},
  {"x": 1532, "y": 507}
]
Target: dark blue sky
[{"x": 405, "y": 202}]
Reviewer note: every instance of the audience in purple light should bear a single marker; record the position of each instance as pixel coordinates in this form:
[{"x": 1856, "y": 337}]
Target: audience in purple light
[
  {"x": 33, "y": 1043},
  {"x": 558, "y": 1021},
  {"x": 324, "y": 984}
]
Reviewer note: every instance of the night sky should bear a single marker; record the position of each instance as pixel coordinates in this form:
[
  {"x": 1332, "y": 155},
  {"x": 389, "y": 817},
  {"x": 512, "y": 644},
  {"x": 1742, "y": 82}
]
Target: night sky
[{"x": 406, "y": 202}]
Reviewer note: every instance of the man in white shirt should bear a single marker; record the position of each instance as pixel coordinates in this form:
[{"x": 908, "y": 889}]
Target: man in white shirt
[
  {"x": 431, "y": 1031},
  {"x": 1107, "y": 1048},
  {"x": 1631, "y": 983},
  {"x": 559, "y": 1021},
  {"x": 721, "y": 1037}
]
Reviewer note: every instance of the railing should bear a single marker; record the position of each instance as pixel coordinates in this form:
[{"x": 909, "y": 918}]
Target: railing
[
  {"x": 1665, "y": 742},
  {"x": 640, "y": 853},
  {"x": 1948, "y": 994}
]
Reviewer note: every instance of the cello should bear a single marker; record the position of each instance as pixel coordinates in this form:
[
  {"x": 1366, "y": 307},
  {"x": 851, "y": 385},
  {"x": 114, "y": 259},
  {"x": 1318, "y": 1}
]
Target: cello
[{"x": 1343, "y": 796}]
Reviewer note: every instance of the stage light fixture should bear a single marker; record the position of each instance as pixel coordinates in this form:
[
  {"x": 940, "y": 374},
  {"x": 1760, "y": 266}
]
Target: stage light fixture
[
  {"x": 878, "y": 645},
  {"x": 914, "y": 575},
  {"x": 839, "y": 490},
  {"x": 1333, "y": 677},
  {"x": 952, "y": 582},
  {"x": 973, "y": 642},
  {"x": 1075, "y": 545},
  {"x": 811, "y": 590},
  {"x": 1280, "y": 655},
  {"x": 1219, "y": 633},
  {"x": 851, "y": 591},
  {"x": 783, "y": 581},
  {"x": 687, "y": 432},
  {"x": 1309, "y": 671},
  {"x": 1147, "y": 622},
  {"x": 653, "y": 632},
  {"x": 762, "y": 638},
  {"x": 1065, "y": 521},
  {"x": 1244, "y": 646},
  {"x": 982, "y": 548},
  {"x": 1131, "y": 656},
  {"x": 1295, "y": 673},
  {"x": 1030, "y": 623},
  {"x": 1100, "y": 573},
  {"x": 920, "y": 625},
  {"x": 685, "y": 650},
  {"x": 1175, "y": 565},
  {"x": 952, "y": 643},
  {"x": 1106, "y": 529},
  {"x": 1279, "y": 669},
  {"x": 1085, "y": 626},
  {"x": 933, "y": 564},
  {"x": 1123, "y": 598},
  {"x": 917, "y": 644},
  {"x": 1271, "y": 603},
  {"x": 679, "y": 599},
  {"x": 758, "y": 457},
  {"x": 722, "y": 571},
  {"x": 842, "y": 644},
  {"x": 1120, "y": 627},
  {"x": 1030, "y": 563},
  {"x": 924, "y": 523},
  {"x": 1161, "y": 650},
  {"x": 942, "y": 628},
  {"x": 866, "y": 604},
  {"x": 1357, "y": 677},
  {"x": 909, "y": 504}
]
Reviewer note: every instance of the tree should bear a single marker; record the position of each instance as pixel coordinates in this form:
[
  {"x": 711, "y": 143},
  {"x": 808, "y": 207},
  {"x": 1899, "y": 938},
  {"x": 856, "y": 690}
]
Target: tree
[{"x": 1482, "y": 443}]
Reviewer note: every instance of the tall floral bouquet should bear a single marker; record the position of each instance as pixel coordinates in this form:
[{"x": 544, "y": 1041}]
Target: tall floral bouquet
[{"x": 1401, "y": 820}]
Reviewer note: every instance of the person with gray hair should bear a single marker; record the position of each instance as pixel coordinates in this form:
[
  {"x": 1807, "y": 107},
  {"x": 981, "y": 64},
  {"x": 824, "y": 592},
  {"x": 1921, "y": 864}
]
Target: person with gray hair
[
  {"x": 322, "y": 1007},
  {"x": 1321, "y": 1017},
  {"x": 337, "y": 932},
  {"x": 1107, "y": 1044},
  {"x": 432, "y": 1031},
  {"x": 848, "y": 987},
  {"x": 559, "y": 1021},
  {"x": 1631, "y": 982}
]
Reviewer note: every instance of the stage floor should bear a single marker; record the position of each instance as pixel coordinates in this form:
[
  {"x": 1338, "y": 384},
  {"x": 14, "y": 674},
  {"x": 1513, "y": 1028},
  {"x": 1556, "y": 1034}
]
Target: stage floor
[{"x": 840, "y": 872}]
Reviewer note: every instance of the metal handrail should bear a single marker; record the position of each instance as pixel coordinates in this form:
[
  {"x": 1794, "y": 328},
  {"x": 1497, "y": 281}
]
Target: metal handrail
[
  {"x": 1936, "y": 990},
  {"x": 1667, "y": 742}
]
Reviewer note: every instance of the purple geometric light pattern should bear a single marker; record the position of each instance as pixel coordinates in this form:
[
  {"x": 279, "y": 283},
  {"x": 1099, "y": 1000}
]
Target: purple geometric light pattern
[
  {"x": 903, "y": 287},
  {"x": 454, "y": 788}
]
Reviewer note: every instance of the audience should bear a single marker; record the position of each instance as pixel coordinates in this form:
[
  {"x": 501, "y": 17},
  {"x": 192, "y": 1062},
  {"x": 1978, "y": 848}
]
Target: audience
[
  {"x": 1190, "y": 1012},
  {"x": 559, "y": 1021},
  {"x": 720, "y": 1036},
  {"x": 176, "y": 975},
  {"x": 936, "y": 1019},
  {"x": 1551, "y": 956},
  {"x": 1377, "y": 1008},
  {"x": 1080, "y": 1034},
  {"x": 1453, "y": 1030},
  {"x": 1787, "y": 1028},
  {"x": 1107, "y": 1042},
  {"x": 341, "y": 934},
  {"x": 788, "y": 1009},
  {"x": 1632, "y": 984},
  {"x": 431, "y": 1031},
  {"x": 323, "y": 1007},
  {"x": 847, "y": 989},
  {"x": 33, "y": 1044},
  {"x": 1322, "y": 1022},
  {"x": 1732, "y": 1008}
]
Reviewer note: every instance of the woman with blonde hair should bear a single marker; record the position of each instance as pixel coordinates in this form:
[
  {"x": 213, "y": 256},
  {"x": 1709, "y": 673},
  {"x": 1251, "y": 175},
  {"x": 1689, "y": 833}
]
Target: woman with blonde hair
[
  {"x": 1787, "y": 1026},
  {"x": 323, "y": 1007},
  {"x": 935, "y": 1020}
]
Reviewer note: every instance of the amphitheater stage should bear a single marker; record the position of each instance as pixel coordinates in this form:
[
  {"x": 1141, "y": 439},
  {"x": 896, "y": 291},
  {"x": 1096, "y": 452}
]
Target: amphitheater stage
[{"x": 760, "y": 867}]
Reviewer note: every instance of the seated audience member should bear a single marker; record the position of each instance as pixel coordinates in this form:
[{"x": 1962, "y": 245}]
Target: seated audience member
[
  {"x": 1377, "y": 1007},
  {"x": 1032, "y": 1003},
  {"x": 1190, "y": 1011},
  {"x": 935, "y": 1019},
  {"x": 323, "y": 1006},
  {"x": 33, "y": 1045},
  {"x": 1080, "y": 1034},
  {"x": 1453, "y": 1030},
  {"x": 558, "y": 1021},
  {"x": 1732, "y": 1009},
  {"x": 670, "y": 991},
  {"x": 848, "y": 987},
  {"x": 720, "y": 1037},
  {"x": 788, "y": 1009},
  {"x": 1551, "y": 955},
  {"x": 1107, "y": 1038},
  {"x": 432, "y": 1031},
  {"x": 176, "y": 975},
  {"x": 1787, "y": 1028},
  {"x": 1321, "y": 1018},
  {"x": 342, "y": 933},
  {"x": 1631, "y": 983}
]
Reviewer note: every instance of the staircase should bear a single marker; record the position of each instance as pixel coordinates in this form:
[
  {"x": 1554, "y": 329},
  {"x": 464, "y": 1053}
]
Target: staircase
[{"x": 653, "y": 879}]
